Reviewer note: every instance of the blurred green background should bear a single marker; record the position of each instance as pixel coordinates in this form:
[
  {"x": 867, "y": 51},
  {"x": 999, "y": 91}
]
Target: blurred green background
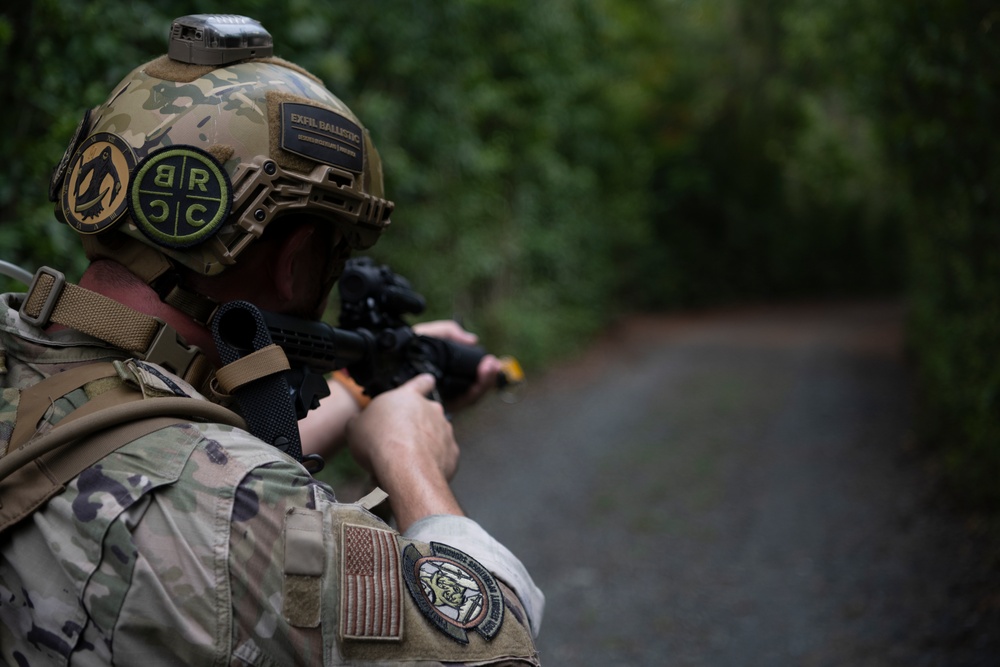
[{"x": 556, "y": 165}]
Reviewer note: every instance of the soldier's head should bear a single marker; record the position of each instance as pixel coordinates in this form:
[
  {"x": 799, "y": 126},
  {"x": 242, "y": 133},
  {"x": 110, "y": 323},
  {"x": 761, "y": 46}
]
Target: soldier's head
[{"x": 198, "y": 155}]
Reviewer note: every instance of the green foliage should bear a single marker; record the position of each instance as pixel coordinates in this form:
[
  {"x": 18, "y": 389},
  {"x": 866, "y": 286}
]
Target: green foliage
[
  {"x": 65, "y": 57},
  {"x": 766, "y": 183},
  {"x": 552, "y": 165},
  {"x": 493, "y": 122},
  {"x": 557, "y": 163},
  {"x": 930, "y": 77}
]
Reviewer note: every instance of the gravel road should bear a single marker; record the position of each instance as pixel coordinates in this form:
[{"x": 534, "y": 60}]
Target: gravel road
[{"x": 736, "y": 487}]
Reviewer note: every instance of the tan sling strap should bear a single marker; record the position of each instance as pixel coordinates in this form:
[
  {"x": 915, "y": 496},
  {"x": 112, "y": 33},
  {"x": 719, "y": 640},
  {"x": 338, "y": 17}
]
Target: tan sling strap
[
  {"x": 38, "y": 470},
  {"x": 51, "y": 299},
  {"x": 261, "y": 363}
]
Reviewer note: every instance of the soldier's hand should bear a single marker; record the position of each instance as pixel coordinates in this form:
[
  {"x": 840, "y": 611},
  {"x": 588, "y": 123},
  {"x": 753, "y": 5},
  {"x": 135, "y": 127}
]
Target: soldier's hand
[
  {"x": 487, "y": 371},
  {"x": 408, "y": 445}
]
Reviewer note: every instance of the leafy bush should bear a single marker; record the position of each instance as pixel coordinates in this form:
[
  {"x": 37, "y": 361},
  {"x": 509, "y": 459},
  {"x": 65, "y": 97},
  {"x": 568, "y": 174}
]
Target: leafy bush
[
  {"x": 929, "y": 77},
  {"x": 556, "y": 164}
]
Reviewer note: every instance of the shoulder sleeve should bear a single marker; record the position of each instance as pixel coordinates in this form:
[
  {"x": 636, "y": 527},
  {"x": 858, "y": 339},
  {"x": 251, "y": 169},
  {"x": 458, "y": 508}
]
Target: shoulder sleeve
[
  {"x": 267, "y": 627},
  {"x": 406, "y": 600},
  {"x": 320, "y": 582},
  {"x": 466, "y": 534}
]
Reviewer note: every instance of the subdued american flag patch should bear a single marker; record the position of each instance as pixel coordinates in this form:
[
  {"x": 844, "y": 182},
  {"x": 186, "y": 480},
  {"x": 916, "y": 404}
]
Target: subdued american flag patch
[{"x": 371, "y": 601}]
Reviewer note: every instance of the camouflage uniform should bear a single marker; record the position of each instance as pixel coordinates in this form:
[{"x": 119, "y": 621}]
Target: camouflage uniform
[{"x": 199, "y": 544}]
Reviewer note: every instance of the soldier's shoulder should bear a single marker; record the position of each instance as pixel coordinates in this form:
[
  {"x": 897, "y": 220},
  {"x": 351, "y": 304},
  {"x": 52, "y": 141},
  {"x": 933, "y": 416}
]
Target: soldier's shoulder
[{"x": 437, "y": 603}]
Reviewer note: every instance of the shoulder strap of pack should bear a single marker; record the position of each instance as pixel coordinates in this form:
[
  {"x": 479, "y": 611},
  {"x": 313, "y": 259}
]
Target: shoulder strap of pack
[
  {"x": 41, "y": 467},
  {"x": 35, "y": 401},
  {"x": 28, "y": 487}
]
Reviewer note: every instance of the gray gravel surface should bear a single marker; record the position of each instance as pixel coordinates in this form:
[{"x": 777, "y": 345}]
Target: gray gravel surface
[{"x": 735, "y": 487}]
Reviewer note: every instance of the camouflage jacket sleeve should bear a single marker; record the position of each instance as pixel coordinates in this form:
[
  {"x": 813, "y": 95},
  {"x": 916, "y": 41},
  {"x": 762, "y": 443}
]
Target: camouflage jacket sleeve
[
  {"x": 201, "y": 545},
  {"x": 315, "y": 581}
]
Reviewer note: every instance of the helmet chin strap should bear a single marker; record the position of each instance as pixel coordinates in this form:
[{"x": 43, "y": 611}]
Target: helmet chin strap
[
  {"x": 198, "y": 307},
  {"x": 153, "y": 268}
]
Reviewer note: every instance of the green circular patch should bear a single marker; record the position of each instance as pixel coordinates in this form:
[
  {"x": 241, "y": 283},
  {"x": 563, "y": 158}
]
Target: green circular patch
[{"x": 180, "y": 196}]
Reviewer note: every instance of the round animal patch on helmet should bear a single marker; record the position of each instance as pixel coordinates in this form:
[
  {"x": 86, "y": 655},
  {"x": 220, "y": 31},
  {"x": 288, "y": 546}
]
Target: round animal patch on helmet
[
  {"x": 180, "y": 196},
  {"x": 95, "y": 191}
]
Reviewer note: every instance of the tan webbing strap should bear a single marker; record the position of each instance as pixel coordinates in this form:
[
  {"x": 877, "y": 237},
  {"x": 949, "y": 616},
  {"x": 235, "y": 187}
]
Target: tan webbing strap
[
  {"x": 261, "y": 363},
  {"x": 117, "y": 395},
  {"x": 29, "y": 487},
  {"x": 36, "y": 400},
  {"x": 191, "y": 408},
  {"x": 197, "y": 306},
  {"x": 92, "y": 313},
  {"x": 51, "y": 299},
  {"x": 37, "y": 471}
]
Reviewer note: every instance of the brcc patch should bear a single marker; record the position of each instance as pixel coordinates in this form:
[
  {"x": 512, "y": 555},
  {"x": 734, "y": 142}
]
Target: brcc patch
[
  {"x": 454, "y": 591},
  {"x": 180, "y": 196},
  {"x": 95, "y": 191}
]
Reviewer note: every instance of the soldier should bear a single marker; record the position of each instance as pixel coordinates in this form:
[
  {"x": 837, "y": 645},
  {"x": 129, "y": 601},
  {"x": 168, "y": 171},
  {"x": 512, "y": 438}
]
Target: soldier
[{"x": 140, "y": 523}]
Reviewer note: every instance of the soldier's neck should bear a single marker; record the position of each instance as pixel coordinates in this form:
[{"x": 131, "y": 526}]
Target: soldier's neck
[{"x": 114, "y": 281}]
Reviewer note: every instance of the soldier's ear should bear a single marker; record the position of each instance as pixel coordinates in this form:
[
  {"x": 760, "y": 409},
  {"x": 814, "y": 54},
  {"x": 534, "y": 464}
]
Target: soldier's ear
[{"x": 293, "y": 265}]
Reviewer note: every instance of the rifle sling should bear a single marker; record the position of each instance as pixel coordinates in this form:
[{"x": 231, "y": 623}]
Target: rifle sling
[{"x": 254, "y": 366}]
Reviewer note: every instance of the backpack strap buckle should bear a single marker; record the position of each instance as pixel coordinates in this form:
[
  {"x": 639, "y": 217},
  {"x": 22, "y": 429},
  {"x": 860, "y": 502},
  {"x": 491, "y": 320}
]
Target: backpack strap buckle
[
  {"x": 56, "y": 281},
  {"x": 169, "y": 350}
]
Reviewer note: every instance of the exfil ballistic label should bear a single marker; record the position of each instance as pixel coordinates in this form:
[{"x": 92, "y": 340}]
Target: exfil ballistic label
[
  {"x": 322, "y": 135},
  {"x": 180, "y": 196}
]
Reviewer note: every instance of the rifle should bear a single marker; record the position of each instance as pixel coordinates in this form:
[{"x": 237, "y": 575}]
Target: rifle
[{"x": 373, "y": 342}]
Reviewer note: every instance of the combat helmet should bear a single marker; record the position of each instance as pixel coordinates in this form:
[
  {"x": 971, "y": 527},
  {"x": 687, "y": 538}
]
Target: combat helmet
[{"x": 196, "y": 153}]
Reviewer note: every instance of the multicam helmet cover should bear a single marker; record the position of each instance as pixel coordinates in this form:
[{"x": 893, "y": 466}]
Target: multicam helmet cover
[{"x": 196, "y": 160}]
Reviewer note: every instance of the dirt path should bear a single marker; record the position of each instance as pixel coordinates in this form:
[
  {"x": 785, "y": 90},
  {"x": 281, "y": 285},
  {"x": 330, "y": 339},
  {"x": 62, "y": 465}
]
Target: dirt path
[{"x": 734, "y": 488}]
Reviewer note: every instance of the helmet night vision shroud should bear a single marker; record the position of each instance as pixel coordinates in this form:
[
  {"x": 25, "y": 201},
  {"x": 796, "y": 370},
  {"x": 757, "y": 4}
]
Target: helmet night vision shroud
[{"x": 196, "y": 153}]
